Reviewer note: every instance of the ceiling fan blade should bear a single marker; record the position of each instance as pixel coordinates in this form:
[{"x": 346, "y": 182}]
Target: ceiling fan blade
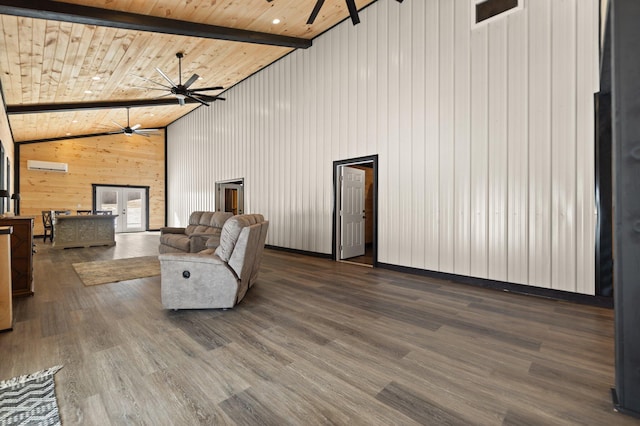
[
  {"x": 191, "y": 80},
  {"x": 151, "y": 81},
  {"x": 208, "y": 98},
  {"x": 137, "y": 126},
  {"x": 197, "y": 99},
  {"x": 204, "y": 89},
  {"x": 150, "y": 88},
  {"x": 146, "y": 132},
  {"x": 314, "y": 13},
  {"x": 164, "y": 96},
  {"x": 166, "y": 77},
  {"x": 117, "y": 125},
  {"x": 353, "y": 11}
]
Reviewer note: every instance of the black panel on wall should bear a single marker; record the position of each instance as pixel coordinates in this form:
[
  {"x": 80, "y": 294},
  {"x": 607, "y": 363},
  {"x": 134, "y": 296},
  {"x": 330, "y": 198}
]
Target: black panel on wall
[
  {"x": 626, "y": 201},
  {"x": 604, "y": 225}
]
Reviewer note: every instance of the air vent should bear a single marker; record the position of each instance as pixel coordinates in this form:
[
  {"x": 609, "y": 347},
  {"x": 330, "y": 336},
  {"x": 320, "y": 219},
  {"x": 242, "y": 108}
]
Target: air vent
[
  {"x": 485, "y": 11},
  {"x": 47, "y": 166}
]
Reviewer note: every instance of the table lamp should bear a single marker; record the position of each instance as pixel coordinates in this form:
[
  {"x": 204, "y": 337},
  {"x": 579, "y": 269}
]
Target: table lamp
[{"x": 16, "y": 203}]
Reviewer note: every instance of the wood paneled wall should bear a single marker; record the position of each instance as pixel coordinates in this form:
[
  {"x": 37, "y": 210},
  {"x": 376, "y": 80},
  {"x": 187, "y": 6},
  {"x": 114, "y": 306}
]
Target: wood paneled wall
[
  {"x": 110, "y": 160},
  {"x": 484, "y": 134}
]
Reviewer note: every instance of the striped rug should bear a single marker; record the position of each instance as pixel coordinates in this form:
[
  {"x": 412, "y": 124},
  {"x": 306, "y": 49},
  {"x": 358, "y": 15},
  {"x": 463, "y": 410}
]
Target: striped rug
[{"x": 30, "y": 399}]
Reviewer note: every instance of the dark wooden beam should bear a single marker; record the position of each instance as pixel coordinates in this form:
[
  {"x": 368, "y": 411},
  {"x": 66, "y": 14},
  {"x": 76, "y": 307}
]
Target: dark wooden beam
[
  {"x": 57, "y": 11},
  {"x": 74, "y": 106},
  {"x": 65, "y": 138}
]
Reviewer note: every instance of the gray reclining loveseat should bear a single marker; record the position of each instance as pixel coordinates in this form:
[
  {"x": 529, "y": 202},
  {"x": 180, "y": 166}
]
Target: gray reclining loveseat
[{"x": 220, "y": 278}]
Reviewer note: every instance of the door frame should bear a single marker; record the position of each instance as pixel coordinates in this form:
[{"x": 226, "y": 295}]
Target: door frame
[
  {"x": 237, "y": 184},
  {"x": 95, "y": 186},
  {"x": 335, "y": 240}
]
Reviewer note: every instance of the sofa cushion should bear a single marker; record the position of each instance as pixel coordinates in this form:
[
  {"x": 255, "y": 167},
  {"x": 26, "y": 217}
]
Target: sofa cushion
[
  {"x": 206, "y": 222},
  {"x": 194, "y": 218},
  {"x": 177, "y": 241},
  {"x": 219, "y": 218}
]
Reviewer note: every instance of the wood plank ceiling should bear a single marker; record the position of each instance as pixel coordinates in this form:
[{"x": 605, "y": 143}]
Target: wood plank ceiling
[{"x": 51, "y": 70}]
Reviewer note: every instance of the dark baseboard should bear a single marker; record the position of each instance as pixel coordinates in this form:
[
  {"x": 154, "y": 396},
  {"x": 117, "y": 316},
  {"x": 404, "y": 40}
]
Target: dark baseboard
[
  {"x": 548, "y": 293},
  {"x": 567, "y": 296},
  {"x": 303, "y": 252}
]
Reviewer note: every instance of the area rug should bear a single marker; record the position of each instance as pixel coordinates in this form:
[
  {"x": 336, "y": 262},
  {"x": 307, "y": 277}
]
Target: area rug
[
  {"x": 30, "y": 399},
  {"x": 111, "y": 271}
]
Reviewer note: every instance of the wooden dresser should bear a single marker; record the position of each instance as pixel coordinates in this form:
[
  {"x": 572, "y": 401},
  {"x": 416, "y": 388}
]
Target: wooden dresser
[{"x": 21, "y": 254}]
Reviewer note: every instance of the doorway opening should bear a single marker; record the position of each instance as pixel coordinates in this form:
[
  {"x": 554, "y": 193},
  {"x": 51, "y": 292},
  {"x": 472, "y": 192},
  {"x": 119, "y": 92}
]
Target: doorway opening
[
  {"x": 355, "y": 218},
  {"x": 129, "y": 203},
  {"x": 230, "y": 196}
]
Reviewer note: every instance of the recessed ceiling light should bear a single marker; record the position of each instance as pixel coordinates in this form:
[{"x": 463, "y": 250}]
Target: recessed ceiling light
[
  {"x": 96, "y": 78},
  {"x": 68, "y": 134},
  {"x": 276, "y": 21},
  {"x": 74, "y": 121},
  {"x": 88, "y": 92}
]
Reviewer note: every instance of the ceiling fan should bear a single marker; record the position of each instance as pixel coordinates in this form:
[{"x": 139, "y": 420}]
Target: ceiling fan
[
  {"x": 351, "y": 5},
  {"x": 184, "y": 91},
  {"x": 131, "y": 130}
]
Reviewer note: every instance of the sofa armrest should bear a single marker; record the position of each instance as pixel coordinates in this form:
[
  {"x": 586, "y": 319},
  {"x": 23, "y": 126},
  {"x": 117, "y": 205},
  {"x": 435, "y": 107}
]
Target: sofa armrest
[
  {"x": 198, "y": 242},
  {"x": 171, "y": 230},
  {"x": 196, "y": 281}
]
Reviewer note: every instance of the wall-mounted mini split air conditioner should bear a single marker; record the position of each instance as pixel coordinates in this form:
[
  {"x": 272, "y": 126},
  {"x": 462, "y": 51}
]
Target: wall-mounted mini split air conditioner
[{"x": 47, "y": 166}]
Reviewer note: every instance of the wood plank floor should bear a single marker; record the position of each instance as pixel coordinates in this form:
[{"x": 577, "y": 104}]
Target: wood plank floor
[{"x": 315, "y": 342}]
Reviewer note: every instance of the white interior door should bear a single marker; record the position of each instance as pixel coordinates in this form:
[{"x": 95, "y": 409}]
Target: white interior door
[
  {"x": 351, "y": 212},
  {"x": 130, "y": 204}
]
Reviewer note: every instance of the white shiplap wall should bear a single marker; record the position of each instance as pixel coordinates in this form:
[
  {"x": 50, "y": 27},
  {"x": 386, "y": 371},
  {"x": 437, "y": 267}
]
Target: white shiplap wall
[{"x": 484, "y": 135}]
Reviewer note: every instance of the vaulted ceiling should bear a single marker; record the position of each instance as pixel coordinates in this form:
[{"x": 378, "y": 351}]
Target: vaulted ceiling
[{"x": 71, "y": 68}]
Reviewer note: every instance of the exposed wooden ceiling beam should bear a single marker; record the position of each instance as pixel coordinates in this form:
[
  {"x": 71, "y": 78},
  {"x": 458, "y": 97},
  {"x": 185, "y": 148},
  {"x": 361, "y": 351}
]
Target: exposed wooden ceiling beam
[
  {"x": 75, "y": 106},
  {"x": 57, "y": 11}
]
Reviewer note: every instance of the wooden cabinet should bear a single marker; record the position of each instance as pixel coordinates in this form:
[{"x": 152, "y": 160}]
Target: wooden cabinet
[{"x": 21, "y": 254}]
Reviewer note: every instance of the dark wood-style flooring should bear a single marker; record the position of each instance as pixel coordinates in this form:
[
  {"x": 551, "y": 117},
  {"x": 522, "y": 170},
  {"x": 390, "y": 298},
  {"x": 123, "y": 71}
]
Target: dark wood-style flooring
[{"x": 314, "y": 342}]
